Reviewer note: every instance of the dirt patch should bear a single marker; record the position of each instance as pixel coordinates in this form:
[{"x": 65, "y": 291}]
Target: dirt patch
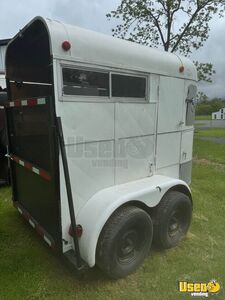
[{"x": 200, "y": 217}]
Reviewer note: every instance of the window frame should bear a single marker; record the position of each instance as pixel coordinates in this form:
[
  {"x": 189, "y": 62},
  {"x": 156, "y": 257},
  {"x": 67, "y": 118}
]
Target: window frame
[{"x": 106, "y": 70}]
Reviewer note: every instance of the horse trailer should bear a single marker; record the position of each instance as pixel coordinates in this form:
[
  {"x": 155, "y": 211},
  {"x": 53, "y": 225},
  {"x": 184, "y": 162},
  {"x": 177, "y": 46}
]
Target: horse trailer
[{"x": 100, "y": 143}]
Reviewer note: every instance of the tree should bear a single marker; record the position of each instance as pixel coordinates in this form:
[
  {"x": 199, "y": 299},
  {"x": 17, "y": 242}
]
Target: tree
[
  {"x": 208, "y": 106},
  {"x": 175, "y": 25}
]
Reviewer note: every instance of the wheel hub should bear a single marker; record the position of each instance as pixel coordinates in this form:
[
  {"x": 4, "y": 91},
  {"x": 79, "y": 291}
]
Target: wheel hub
[
  {"x": 127, "y": 247},
  {"x": 174, "y": 225}
]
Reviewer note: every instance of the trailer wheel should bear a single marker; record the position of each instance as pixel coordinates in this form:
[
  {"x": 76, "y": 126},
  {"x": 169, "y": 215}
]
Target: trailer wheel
[
  {"x": 172, "y": 219},
  {"x": 124, "y": 242}
]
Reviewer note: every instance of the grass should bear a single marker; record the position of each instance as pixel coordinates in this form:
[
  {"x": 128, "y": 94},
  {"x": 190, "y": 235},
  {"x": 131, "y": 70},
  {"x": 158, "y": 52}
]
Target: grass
[
  {"x": 203, "y": 118},
  {"x": 213, "y": 152},
  {"x": 216, "y": 132},
  {"x": 29, "y": 270}
]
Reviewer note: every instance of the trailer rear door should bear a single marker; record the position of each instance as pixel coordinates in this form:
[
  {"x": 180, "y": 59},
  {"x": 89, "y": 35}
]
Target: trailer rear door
[
  {"x": 34, "y": 164},
  {"x": 33, "y": 146}
]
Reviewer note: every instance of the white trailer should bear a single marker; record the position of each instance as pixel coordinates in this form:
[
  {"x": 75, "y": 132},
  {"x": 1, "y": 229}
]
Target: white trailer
[{"x": 122, "y": 115}]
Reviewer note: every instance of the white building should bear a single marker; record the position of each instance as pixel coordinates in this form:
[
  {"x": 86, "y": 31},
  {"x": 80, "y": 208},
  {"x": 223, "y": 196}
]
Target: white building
[{"x": 219, "y": 115}]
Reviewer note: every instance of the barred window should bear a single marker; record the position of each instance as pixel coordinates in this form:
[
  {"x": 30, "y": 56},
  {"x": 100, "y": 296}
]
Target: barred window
[{"x": 126, "y": 86}]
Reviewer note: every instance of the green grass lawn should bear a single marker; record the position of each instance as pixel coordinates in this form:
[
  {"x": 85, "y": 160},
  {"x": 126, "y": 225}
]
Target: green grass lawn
[
  {"x": 200, "y": 118},
  {"x": 208, "y": 150},
  {"x": 215, "y": 132},
  {"x": 29, "y": 270}
]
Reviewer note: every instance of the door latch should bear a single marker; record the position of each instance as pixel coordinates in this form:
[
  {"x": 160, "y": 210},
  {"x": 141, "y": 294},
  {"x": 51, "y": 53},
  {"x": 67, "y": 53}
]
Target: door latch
[{"x": 184, "y": 155}]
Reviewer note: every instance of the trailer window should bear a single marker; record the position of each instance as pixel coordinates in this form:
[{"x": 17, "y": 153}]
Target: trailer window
[
  {"x": 128, "y": 86},
  {"x": 87, "y": 83}
]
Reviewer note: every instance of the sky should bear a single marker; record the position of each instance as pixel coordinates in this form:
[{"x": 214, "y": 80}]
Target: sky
[{"x": 91, "y": 14}]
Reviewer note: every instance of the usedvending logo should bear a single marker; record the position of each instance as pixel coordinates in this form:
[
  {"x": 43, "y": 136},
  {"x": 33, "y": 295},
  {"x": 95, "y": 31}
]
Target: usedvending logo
[{"x": 199, "y": 289}]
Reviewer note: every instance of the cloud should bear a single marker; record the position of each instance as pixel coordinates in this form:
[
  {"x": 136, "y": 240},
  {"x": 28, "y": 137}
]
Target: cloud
[
  {"x": 213, "y": 52},
  {"x": 85, "y": 13},
  {"x": 16, "y": 14},
  {"x": 88, "y": 14}
]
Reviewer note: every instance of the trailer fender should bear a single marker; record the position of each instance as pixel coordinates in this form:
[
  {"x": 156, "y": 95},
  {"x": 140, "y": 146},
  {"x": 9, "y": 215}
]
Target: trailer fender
[{"x": 101, "y": 206}]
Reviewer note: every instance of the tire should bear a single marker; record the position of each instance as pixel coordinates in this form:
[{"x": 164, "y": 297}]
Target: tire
[
  {"x": 124, "y": 242},
  {"x": 172, "y": 218}
]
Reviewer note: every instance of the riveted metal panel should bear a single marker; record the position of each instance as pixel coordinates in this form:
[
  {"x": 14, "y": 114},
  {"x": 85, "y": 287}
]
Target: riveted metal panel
[
  {"x": 171, "y": 102},
  {"x": 168, "y": 149}
]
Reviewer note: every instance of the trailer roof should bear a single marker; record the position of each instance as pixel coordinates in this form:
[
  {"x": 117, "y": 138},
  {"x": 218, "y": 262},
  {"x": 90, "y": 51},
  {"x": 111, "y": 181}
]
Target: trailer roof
[{"x": 100, "y": 49}]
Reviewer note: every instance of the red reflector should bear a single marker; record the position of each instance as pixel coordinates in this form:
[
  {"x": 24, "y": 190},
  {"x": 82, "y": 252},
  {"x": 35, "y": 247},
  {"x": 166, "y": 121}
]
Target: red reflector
[
  {"x": 78, "y": 232},
  {"x": 32, "y": 102},
  {"x": 44, "y": 175},
  {"x": 28, "y": 165},
  {"x": 39, "y": 229},
  {"x": 16, "y": 159},
  {"x": 66, "y": 45},
  {"x": 17, "y": 102},
  {"x": 26, "y": 215},
  {"x": 181, "y": 69}
]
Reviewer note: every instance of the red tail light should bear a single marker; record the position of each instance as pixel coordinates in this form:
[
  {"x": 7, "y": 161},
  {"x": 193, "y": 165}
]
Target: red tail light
[
  {"x": 78, "y": 232},
  {"x": 181, "y": 69}
]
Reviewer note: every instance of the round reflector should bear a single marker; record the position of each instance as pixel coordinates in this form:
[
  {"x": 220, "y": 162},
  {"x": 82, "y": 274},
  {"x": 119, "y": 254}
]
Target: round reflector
[
  {"x": 66, "y": 45},
  {"x": 181, "y": 69}
]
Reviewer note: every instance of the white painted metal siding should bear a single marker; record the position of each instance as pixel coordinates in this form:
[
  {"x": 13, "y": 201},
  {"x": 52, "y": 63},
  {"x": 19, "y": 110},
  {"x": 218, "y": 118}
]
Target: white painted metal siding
[
  {"x": 137, "y": 161},
  {"x": 87, "y": 122},
  {"x": 168, "y": 149},
  {"x": 186, "y": 146},
  {"x": 134, "y": 119},
  {"x": 171, "y": 102},
  {"x": 135, "y": 140}
]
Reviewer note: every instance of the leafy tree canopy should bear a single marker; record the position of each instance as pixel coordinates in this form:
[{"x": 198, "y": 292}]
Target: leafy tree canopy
[
  {"x": 175, "y": 25},
  {"x": 208, "y": 106}
]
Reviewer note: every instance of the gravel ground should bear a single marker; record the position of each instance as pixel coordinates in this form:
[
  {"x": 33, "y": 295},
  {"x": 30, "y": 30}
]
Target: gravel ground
[{"x": 218, "y": 140}]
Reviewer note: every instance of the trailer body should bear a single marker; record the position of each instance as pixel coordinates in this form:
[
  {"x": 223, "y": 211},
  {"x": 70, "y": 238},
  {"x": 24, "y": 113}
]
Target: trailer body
[{"x": 127, "y": 117}]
